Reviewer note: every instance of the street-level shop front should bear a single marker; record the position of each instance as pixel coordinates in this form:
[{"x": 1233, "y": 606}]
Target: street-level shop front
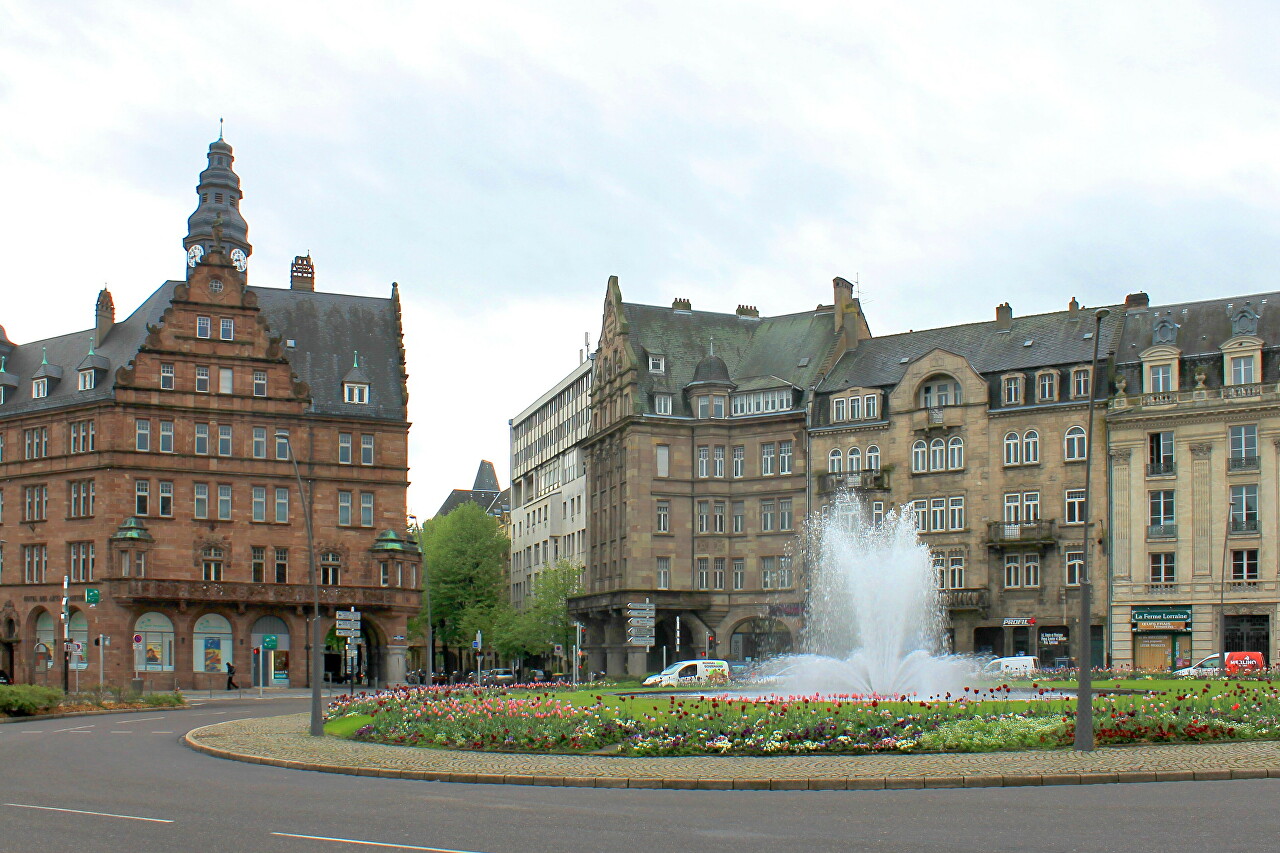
[{"x": 1161, "y": 637}]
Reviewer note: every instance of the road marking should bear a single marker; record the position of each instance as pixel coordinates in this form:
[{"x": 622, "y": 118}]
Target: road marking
[
  {"x": 162, "y": 733},
  {"x": 122, "y": 733},
  {"x": 82, "y": 811},
  {"x": 210, "y": 714},
  {"x": 73, "y": 728},
  {"x": 142, "y": 720},
  {"x": 370, "y": 843},
  {"x": 30, "y": 732}
]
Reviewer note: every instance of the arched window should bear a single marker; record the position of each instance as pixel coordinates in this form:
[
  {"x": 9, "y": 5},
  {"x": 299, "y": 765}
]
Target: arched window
[
  {"x": 1012, "y": 448},
  {"x": 939, "y": 390},
  {"x": 835, "y": 462},
  {"x": 1030, "y": 447},
  {"x": 955, "y": 453},
  {"x": 331, "y": 568},
  {"x": 79, "y": 634},
  {"x": 937, "y": 455},
  {"x": 155, "y": 652},
  {"x": 855, "y": 460},
  {"x": 211, "y": 644},
  {"x": 1075, "y": 444},
  {"x": 45, "y": 629},
  {"x": 873, "y": 458},
  {"x": 919, "y": 456}
]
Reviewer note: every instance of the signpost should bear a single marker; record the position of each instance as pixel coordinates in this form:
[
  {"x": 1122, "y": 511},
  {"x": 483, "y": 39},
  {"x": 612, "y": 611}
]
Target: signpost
[
  {"x": 475, "y": 644},
  {"x": 348, "y": 624},
  {"x": 92, "y": 596},
  {"x": 641, "y": 617}
]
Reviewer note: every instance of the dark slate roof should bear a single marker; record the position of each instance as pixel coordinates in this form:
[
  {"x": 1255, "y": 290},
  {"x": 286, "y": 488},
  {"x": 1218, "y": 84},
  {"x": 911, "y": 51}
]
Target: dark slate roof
[
  {"x": 328, "y": 329},
  {"x": 758, "y": 353},
  {"x": 493, "y": 503},
  {"x": 1202, "y": 326},
  {"x": 486, "y": 478},
  {"x": 1056, "y": 339}
]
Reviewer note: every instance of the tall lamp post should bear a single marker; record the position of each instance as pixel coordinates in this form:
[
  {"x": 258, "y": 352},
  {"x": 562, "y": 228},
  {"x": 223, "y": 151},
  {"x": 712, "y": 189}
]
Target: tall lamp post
[
  {"x": 317, "y": 648},
  {"x": 426, "y": 601},
  {"x": 1084, "y": 696}
]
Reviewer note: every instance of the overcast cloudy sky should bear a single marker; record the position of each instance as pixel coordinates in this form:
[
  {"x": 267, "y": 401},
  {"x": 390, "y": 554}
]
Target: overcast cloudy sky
[{"x": 501, "y": 160}]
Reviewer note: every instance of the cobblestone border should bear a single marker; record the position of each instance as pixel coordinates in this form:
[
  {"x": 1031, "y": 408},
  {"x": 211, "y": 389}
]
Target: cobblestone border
[{"x": 283, "y": 742}]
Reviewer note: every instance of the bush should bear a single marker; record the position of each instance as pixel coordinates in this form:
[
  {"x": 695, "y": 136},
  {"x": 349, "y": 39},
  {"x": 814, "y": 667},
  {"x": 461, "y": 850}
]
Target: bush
[
  {"x": 20, "y": 700},
  {"x": 164, "y": 700}
]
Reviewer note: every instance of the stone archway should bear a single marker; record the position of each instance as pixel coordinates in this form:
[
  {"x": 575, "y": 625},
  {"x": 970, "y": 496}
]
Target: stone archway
[{"x": 759, "y": 637}]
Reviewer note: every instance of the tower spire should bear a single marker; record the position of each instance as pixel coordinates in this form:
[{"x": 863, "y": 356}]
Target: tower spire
[{"x": 217, "y": 216}]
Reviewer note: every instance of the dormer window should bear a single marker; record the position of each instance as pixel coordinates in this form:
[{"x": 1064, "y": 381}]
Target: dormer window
[
  {"x": 1242, "y": 370},
  {"x": 87, "y": 380},
  {"x": 871, "y": 405},
  {"x": 1160, "y": 379},
  {"x": 657, "y": 364},
  {"x": 39, "y": 388},
  {"x": 1012, "y": 390},
  {"x": 939, "y": 390},
  {"x": 838, "y": 409},
  {"x": 1047, "y": 387},
  {"x": 203, "y": 327},
  {"x": 662, "y": 404},
  {"x": 1080, "y": 382},
  {"x": 355, "y": 392}
]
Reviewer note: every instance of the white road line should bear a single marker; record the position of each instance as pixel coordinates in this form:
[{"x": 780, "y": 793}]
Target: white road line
[
  {"x": 370, "y": 843},
  {"x": 73, "y": 728},
  {"x": 162, "y": 733},
  {"x": 82, "y": 811},
  {"x": 140, "y": 720},
  {"x": 30, "y": 732},
  {"x": 123, "y": 733}
]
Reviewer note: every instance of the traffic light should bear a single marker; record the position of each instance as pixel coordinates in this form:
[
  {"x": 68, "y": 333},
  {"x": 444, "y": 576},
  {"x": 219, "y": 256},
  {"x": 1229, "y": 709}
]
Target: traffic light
[
  {"x": 711, "y": 639},
  {"x": 256, "y": 651}
]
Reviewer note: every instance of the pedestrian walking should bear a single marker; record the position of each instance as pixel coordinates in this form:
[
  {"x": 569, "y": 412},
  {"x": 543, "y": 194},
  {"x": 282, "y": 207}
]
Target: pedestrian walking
[{"x": 231, "y": 677}]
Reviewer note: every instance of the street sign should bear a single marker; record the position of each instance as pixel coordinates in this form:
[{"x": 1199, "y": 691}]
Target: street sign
[
  {"x": 270, "y": 641},
  {"x": 559, "y": 648},
  {"x": 92, "y": 595},
  {"x": 77, "y": 646},
  {"x": 475, "y": 644},
  {"x": 348, "y": 623},
  {"x": 137, "y": 639},
  {"x": 637, "y": 636},
  {"x": 641, "y": 621},
  {"x": 641, "y": 608},
  {"x": 353, "y": 615},
  {"x": 353, "y": 633}
]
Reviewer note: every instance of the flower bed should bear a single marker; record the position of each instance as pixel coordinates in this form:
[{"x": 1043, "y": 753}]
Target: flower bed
[{"x": 557, "y": 720}]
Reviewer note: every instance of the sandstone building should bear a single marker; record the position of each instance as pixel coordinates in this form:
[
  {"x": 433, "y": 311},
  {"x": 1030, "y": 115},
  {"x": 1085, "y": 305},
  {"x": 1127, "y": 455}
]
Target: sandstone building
[{"x": 150, "y": 462}]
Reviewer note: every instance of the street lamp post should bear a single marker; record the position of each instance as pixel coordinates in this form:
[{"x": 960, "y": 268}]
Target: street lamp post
[
  {"x": 1084, "y": 695},
  {"x": 317, "y": 648},
  {"x": 426, "y": 601}
]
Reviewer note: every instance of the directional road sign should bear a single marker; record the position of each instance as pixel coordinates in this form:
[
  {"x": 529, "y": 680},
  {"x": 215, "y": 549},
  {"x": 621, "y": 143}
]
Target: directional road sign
[
  {"x": 270, "y": 641},
  {"x": 348, "y": 623},
  {"x": 641, "y": 608},
  {"x": 353, "y": 633},
  {"x": 641, "y": 621},
  {"x": 92, "y": 595},
  {"x": 352, "y": 615}
]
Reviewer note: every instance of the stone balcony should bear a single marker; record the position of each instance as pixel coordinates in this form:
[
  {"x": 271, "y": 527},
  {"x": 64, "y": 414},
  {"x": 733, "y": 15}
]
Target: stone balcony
[
  {"x": 864, "y": 481},
  {"x": 967, "y": 599},
  {"x": 936, "y": 418},
  {"x": 1040, "y": 534},
  {"x": 1254, "y": 391},
  {"x": 241, "y": 594}
]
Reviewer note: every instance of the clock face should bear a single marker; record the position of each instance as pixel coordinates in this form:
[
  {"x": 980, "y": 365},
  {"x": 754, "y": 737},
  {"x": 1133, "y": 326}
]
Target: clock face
[
  {"x": 239, "y": 259},
  {"x": 194, "y": 254}
]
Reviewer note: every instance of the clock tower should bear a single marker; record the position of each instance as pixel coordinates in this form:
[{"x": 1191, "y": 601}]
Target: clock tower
[{"x": 217, "y": 215}]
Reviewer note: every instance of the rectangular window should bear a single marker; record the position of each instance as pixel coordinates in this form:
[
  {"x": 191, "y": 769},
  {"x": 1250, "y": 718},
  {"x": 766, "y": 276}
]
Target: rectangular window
[
  {"x": 1013, "y": 508},
  {"x": 202, "y": 440},
  {"x": 1073, "y": 562},
  {"x": 717, "y": 573},
  {"x": 940, "y": 570},
  {"x": 871, "y": 406},
  {"x": 664, "y": 516},
  {"x": 226, "y": 329},
  {"x": 1160, "y": 507},
  {"x": 141, "y": 497},
  {"x": 166, "y": 499},
  {"x": 920, "y": 510},
  {"x": 838, "y": 409},
  {"x": 166, "y": 377},
  {"x": 1012, "y": 390},
  {"x": 259, "y": 383},
  {"x": 704, "y": 461},
  {"x": 259, "y": 448},
  {"x": 224, "y": 502},
  {"x": 662, "y": 460},
  {"x": 767, "y": 571},
  {"x": 203, "y": 327},
  {"x": 166, "y": 437},
  {"x": 786, "y": 518},
  {"x": 1160, "y": 460},
  {"x": 366, "y": 449},
  {"x": 704, "y": 516},
  {"x": 344, "y": 448},
  {"x": 739, "y": 573},
  {"x": 259, "y": 503},
  {"x": 1048, "y": 383},
  {"x": 662, "y": 404},
  {"x": 282, "y": 444},
  {"x": 956, "y": 568},
  {"x": 877, "y": 512},
  {"x": 35, "y": 442},
  {"x": 1031, "y": 570},
  {"x": 366, "y": 509},
  {"x": 384, "y": 573},
  {"x": 1244, "y": 508},
  {"x": 717, "y": 517},
  {"x": 344, "y": 509},
  {"x": 282, "y": 505},
  {"x": 784, "y": 457},
  {"x": 1163, "y": 569},
  {"x": 784, "y": 579},
  {"x": 142, "y": 435},
  {"x": 82, "y": 499},
  {"x": 82, "y": 437},
  {"x": 281, "y": 565},
  {"x": 767, "y": 510},
  {"x": 739, "y": 510},
  {"x": 87, "y": 380},
  {"x": 1030, "y": 507},
  {"x": 224, "y": 439},
  {"x": 202, "y": 379},
  {"x": 40, "y": 388},
  {"x": 1075, "y": 506},
  {"x": 1161, "y": 378},
  {"x": 955, "y": 512},
  {"x": 703, "y": 575},
  {"x": 225, "y": 380},
  {"x": 767, "y": 453},
  {"x": 35, "y": 563},
  {"x": 258, "y": 564},
  {"x": 1080, "y": 382},
  {"x": 664, "y": 573},
  {"x": 1012, "y": 571},
  {"x": 717, "y": 461},
  {"x": 1244, "y": 446},
  {"x": 938, "y": 514},
  {"x": 355, "y": 393},
  {"x": 1242, "y": 370},
  {"x": 1244, "y": 565},
  {"x": 200, "y": 500},
  {"x": 739, "y": 462}
]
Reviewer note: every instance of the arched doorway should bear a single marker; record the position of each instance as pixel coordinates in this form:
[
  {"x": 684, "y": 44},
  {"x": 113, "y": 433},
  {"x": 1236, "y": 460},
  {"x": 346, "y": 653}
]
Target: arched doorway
[
  {"x": 759, "y": 638},
  {"x": 356, "y": 660},
  {"x": 270, "y": 638}
]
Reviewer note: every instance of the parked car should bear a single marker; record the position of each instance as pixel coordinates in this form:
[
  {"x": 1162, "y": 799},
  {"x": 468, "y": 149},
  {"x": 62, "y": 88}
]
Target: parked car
[
  {"x": 691, "y": 672},
  {"x": 498, "y": 677},
  {"x": 1015, "y": 665},
  {"x": 1211, "y": 666}
]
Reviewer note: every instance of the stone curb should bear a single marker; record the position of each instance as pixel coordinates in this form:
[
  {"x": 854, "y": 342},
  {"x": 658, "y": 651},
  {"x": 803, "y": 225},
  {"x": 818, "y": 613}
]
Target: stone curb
[
  {"x": 64, "y": 716},
  {"x": 676, "y": 783}
]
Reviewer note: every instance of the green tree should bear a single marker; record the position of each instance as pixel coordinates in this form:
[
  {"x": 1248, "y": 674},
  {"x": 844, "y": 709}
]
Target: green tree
[
  {"x": 465, "y": 553},
  {"x": 546, "y": 618}
]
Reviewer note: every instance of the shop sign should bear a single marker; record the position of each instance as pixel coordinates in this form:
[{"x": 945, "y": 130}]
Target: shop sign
[
  {"x": 1169, "y": 613},
  {"x": 1053, "y": 638},
  {"x": 1165, "y": 625},
  {"x": 1019, "y": 621}
]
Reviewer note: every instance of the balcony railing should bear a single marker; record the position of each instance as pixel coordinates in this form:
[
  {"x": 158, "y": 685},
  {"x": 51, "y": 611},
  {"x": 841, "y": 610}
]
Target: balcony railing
[
  {"x": 966, "y": 599},
  {"x": 1029, "y": 532},
  {"x": 865, "y": 480},
  {"x": 1242, "y": 463},
  {"x": 1164, "y": 398},
  {"x": 148, "y": 589},
  {"x": 1241, "y": 392},
  {"x": 1244, "y": 525},
  {"x": 1162, "y": 588},
  {"x": 1162, "y": 531},
  {"x": 1161, "y": 469}
]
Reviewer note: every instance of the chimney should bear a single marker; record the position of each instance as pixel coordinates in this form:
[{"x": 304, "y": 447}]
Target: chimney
[
  {"x": 681, "y": 305},
  {"x": 748, "y": 311},
  {"x": 1073, "y": 306},
  {"x": 1136, "y": 301},
  {"x": 302, "y": 275},
  {"x": 1004, "y": 317},
  {"x": 104, "y": 316},
  {"x": 851, "y": 325}
]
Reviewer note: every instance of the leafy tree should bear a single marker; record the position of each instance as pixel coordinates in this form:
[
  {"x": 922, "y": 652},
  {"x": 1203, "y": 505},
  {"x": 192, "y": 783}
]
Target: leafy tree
[
  {"x": 466, "y": 554},
  {"x": 547, "y": 616}
]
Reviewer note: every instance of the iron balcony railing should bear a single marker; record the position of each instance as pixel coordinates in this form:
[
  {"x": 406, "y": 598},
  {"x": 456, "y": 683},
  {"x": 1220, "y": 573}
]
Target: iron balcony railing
[
  {"x": 1005, "y": 532},
  {"x": 1161, "y": 469},
  {"x": 1242, "y": 463},
  {"x": 1244, "y": 525},
  {"x": 1162, "y": 531}
]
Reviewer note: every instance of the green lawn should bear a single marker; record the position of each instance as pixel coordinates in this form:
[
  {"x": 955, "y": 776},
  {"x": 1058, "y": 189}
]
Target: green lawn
[{"x": 346, "y": 726}]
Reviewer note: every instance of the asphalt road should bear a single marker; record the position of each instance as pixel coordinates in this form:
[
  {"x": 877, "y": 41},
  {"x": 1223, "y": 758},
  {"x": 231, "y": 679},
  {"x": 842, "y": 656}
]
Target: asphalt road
[{"x": 124, "y": 782}]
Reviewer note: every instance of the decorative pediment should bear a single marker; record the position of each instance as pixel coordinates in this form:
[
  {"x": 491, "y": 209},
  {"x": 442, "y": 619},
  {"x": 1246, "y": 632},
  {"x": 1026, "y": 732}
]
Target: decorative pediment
[
  {"x": 1165, "y": 331},
  {"x": 1244, "y": 320}
]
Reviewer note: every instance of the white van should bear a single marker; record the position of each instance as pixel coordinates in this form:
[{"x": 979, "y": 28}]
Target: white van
[
  {"x": 691, "y": 672},
  {"x": 1016, "y": 665}
]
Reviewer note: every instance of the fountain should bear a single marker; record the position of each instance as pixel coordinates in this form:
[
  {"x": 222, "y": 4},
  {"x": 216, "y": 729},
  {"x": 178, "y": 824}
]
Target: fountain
[{"x": 875, "y": 622}]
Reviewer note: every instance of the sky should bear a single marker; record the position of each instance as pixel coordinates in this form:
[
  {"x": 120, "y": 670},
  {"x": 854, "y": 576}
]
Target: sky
[{"x": 502, "y": 160}]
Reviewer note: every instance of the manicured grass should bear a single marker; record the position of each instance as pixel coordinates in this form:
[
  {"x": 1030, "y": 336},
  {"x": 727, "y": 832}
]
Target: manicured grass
[{"x": 346, "y": 726}]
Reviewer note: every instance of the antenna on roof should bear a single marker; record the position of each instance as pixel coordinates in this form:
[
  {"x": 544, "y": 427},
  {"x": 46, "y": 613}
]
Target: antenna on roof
[
  {"x": 219, "y": 128},
  {"x": 356, "y": 359},
  {"x": 713, "y": 347},
  {"x": 857, "y": 285}
]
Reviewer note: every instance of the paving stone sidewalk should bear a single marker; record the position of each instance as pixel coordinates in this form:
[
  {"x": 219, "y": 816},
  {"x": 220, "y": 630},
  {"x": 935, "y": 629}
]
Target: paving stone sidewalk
[{"x": 284, "y": 742}]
